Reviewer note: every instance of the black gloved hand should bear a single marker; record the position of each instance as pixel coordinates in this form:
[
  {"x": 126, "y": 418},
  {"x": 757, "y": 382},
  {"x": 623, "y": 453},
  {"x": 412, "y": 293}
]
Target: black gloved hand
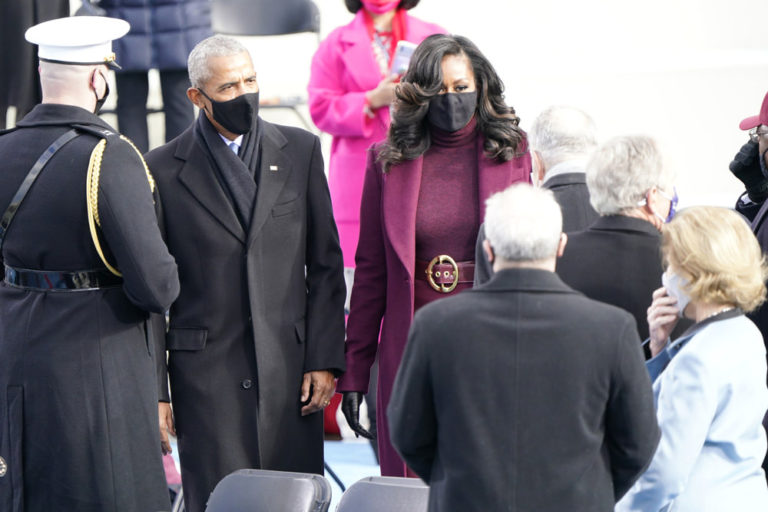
[
  {"x": 350, "y": 406},
  {"x": 746, "y": 167}
]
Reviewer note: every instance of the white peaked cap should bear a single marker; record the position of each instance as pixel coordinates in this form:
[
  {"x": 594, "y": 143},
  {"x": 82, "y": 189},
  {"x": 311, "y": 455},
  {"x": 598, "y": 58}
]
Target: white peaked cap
[{"x": 78, "y": 39}]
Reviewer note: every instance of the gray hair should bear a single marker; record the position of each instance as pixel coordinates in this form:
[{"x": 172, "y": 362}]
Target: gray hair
[
  {"x": 622, "y": 171},
  {"x": 561, "y": 133},
  {"x": 523, "y": 223},
  {"x": 214, "y": 46}
]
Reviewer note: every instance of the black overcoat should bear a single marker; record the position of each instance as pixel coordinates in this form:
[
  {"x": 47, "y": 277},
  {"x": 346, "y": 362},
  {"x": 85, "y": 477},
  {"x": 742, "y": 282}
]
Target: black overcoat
[
  {"x": 78, "y": 410},
  {"x": 257, "y": 309},
  {"x": 571, "y": 193},
  {"x": 522, "y": 395}
]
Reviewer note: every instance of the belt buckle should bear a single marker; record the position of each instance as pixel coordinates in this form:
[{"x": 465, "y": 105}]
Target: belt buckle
[{"x": 443, "y": 258}]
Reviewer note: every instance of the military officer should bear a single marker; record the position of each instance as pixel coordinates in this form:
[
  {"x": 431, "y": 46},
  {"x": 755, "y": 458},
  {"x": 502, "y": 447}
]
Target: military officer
[{"x": 84, "y": 263}]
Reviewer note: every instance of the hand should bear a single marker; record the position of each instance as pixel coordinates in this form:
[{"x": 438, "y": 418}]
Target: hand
[
  {"x": 746, "y": 167},
  {"x": 383, "y": 94},
  {"x": 350, "y": 406},
  {"x": 319, "y": 386},
  {"x": 166, "y": 425},
  {"x": 662, "y": 318}
]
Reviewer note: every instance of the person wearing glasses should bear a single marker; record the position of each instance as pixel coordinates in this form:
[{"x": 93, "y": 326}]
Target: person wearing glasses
[
  {"x": 708, "y": 384},
  {"x": 616, "y": 259},
  {"x": 751, "y": 167}
]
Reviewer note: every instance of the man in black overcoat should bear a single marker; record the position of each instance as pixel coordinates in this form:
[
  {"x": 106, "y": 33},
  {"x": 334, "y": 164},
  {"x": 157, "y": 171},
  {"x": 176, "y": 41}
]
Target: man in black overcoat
[
  {"x": 561, "y": 139},
  {"x": 522, "y": 394},
  {"x": 83, "y": 265},
  {"x": 751, "y": 167},
  {"x": 257, "y": 334},
  {"x": 617, "y": 259}
]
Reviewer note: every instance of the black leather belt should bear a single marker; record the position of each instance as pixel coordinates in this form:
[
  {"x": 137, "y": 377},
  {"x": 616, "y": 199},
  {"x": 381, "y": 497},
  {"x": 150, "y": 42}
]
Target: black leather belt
[{"x": 60, "y": 281}]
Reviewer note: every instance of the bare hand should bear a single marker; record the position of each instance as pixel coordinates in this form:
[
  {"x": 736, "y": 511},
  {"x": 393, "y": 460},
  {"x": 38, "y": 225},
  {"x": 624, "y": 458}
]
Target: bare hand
[
  {"x": 383, "y": 94},
  {"x": 166, "y": 425},
  {"x": 662, "y": 318},
  {"x": 319, "y": 386}
]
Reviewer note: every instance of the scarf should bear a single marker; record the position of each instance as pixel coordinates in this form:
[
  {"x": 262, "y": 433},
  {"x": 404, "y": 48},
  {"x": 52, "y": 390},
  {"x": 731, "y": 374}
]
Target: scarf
[{"x": 238, "y": 174}]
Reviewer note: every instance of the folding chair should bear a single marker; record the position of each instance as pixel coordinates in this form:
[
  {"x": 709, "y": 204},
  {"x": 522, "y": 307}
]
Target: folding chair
[
  {"x": 260, "y": 490},
  {"x": 270, "y": 18},
  {"x": 385, "y": 494}
]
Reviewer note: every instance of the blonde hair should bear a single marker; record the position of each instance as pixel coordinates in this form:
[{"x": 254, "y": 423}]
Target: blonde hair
[{"x": 715, "y": 250}]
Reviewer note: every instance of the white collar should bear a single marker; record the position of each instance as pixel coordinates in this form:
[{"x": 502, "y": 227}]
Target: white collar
[
  {"x": 567, "y": 167},
  {"x": 238, "y": 141}
]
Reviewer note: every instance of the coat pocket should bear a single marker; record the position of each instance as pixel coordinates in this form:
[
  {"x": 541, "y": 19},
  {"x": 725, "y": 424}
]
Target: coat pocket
[
  {"x": 187, "y": 338},
  {"x": 11, "y": 470},
  {"x": 286, "y": 208}
]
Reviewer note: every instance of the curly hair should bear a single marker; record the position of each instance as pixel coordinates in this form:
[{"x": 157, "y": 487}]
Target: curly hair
[
  {"x": 355, "y": 5},
  {"x": 714, "y": 249},
  {"x": 408, "y": 136}
]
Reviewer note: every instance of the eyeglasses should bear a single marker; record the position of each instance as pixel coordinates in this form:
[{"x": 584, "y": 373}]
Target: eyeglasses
[{"x": 755, "y": 134}]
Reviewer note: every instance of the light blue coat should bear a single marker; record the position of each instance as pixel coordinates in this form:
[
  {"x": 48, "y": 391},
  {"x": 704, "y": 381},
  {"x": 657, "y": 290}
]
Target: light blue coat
[{"x": 710, "y": 393}]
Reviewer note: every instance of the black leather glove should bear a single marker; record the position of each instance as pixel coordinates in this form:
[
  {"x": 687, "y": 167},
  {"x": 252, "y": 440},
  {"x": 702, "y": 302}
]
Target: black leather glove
[
  {"x": 350, "y": 406},
  {"x": 746, "y": 167}
]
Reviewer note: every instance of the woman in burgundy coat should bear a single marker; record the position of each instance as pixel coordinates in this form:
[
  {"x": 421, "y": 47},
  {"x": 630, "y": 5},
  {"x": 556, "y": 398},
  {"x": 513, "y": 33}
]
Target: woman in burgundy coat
[{"x": 453, "y": 142}]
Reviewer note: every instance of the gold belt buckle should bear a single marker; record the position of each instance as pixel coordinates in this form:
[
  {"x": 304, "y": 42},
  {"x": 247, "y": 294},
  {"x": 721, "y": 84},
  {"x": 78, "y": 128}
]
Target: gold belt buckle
[{"x": 431, "y": 275}]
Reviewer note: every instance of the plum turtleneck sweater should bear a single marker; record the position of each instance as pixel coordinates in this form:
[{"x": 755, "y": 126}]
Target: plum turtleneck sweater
[{"x": 447, "y": 214}]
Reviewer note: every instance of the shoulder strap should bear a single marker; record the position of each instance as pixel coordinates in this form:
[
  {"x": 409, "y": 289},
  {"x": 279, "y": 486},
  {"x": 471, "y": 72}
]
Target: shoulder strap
[{"x": 34, "y": 172}]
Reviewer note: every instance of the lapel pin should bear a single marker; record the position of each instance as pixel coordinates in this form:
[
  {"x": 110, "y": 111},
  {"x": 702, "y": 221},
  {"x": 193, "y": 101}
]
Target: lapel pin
[{"x": 273, "y": 168}]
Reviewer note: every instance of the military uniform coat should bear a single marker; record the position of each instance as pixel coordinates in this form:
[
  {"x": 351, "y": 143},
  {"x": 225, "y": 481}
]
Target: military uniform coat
[
  {"x": 78, "y": 404},
  {"x": 523, "y": 395},
  {"x": 248, "y": 323}
]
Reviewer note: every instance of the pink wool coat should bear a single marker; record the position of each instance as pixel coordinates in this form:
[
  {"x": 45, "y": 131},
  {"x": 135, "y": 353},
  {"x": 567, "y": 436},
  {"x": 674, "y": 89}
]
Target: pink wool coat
[
  {"x": 343, "y": 69},
  {"x": 384, "y": 277}
]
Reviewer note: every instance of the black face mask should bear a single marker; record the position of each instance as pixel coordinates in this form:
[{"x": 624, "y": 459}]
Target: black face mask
[
  {"x": 452, "y": 111},
  {"x": 100, "y": 101},
  {"x": 235, "y": 115}
]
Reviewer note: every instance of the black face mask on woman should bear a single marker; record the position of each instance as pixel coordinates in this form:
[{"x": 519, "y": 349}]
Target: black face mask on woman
[
  {"x": 452, "y": 111},
  {"x": 235, "y": 115}
]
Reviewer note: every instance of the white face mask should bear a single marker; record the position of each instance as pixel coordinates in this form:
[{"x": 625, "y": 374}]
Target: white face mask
[{"x": 675, "y": 288}]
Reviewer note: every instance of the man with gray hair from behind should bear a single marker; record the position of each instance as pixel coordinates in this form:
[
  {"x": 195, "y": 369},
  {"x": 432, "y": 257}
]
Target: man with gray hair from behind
[
  {"x": 616, "y": 260},
  {"x": 561, "y": 140},
  {"x": 553, "y": 409}
]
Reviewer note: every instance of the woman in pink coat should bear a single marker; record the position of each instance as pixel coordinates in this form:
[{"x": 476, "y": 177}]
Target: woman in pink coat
[
  {"x": 453, "y": 142},
  {"x": 350, "y": 89}
]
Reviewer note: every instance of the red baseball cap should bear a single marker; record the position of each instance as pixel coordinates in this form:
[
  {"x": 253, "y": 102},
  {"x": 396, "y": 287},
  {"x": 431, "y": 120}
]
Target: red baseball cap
[{"x": 754, "y": 121}]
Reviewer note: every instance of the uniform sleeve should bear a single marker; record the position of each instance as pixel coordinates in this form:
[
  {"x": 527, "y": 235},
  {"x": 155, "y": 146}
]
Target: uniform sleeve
[
  {"x": 326, "y": 290},
  {"x": 411, "y": 413},
  {"x": 369, "y": 291},
  {"x": 335, "y": 104},
  {"x": 630, "y": 425},
  {"x": 686, "y": 407},
  {"x": 130, "y": 228}
]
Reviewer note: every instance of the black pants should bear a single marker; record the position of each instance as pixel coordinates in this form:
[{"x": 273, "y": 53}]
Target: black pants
[{"x": 132, "y": 91}]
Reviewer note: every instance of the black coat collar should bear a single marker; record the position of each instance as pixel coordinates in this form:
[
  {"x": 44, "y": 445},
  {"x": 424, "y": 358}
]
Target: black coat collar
[
  {"x": 526, "y": 279},
  {"x": 54, "y": 114},
  {"x": 624, "y": 223}
]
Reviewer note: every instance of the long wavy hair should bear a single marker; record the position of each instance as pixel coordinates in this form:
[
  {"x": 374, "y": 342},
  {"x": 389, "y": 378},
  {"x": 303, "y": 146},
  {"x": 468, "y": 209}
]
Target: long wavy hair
[
  {"x": 408, "y": 136},
  {"x": 355, "y": 5}
]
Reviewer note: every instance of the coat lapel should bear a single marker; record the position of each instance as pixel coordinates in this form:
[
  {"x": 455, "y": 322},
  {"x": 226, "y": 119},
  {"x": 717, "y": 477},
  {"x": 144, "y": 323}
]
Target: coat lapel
[
  {"x": 400, "y": 189},
  {"x": 273, "y": 173},
  {"x": 198, "y": 177},
  {"x": 358, "y": 55},
  {"x": 493, "y": 176}
]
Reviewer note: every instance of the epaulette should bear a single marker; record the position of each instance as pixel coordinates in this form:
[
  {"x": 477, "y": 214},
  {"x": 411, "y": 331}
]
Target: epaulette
[{"x": 92, "y": 182}]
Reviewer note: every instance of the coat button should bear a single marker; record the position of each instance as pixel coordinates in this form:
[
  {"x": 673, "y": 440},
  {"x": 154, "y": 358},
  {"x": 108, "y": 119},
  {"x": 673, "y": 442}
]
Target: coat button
[
  {"x": 3, "y": 467},
  {"x": 247, "y": 383}
]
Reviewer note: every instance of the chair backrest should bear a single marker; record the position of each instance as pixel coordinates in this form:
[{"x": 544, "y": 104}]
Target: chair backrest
[
  {"x": 385, "y": 494},
  {"x": 264, "y": 17},
  {"x": 260, "y": 490}
]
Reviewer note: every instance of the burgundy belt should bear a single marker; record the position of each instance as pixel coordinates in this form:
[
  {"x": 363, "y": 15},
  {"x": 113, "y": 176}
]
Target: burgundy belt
[{"x": 443, "y": 273}]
